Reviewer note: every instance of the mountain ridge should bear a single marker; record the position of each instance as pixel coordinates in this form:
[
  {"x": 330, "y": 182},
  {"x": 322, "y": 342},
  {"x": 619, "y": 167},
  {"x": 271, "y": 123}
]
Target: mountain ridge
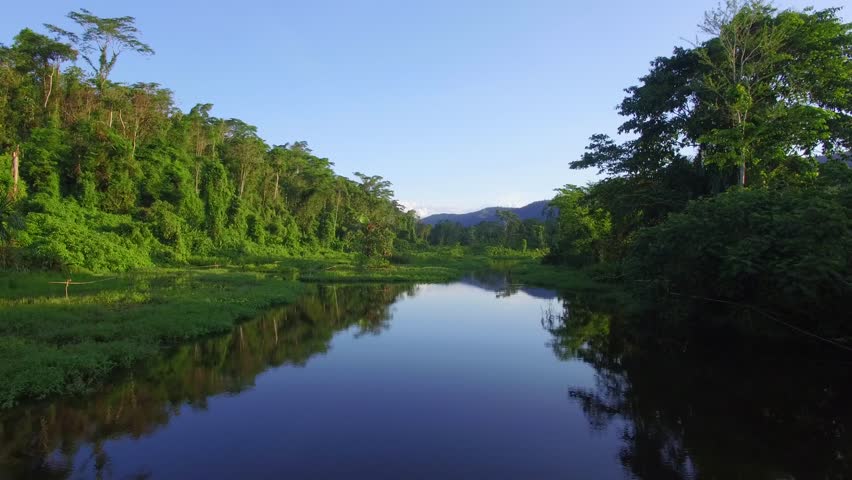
[{"x": 536, "y": 210}]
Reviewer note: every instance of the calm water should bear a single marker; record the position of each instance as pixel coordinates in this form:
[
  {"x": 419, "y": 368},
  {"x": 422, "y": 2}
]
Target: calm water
[{"x": 469, "y": 380}]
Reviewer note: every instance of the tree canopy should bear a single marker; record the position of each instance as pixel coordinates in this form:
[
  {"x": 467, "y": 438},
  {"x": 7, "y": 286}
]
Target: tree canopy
[
  {"x": 114, "y": 176},
  {"x": 732, "y": 182}
]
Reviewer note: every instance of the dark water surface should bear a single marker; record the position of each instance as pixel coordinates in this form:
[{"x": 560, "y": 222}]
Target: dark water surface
[{"x": 468, "y": 380}]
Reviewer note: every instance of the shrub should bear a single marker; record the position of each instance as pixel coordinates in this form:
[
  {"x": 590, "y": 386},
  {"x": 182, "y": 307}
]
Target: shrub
[
  {"x": 64, "y": 235},
  {"x": 788, "y": 251}
]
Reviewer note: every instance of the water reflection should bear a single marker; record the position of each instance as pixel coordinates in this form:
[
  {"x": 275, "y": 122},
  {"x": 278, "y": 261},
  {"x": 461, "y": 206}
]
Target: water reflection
[
  {"x": 461, "y": 386},
  {"x": 43, "y": 440},
  {"x": 504, "y": 286},
  {"x": 709, "y": 414}
]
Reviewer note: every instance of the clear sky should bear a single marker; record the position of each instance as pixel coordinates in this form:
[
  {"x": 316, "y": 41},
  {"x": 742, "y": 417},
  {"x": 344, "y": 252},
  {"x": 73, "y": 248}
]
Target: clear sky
[{"x": 461, "y": 104}]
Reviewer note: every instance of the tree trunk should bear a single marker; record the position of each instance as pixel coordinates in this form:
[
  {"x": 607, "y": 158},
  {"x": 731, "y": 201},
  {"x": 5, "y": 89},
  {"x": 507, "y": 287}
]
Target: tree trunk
[
  {"x": 197, "y": 176},
  {"x": 49, "y": 85},
  {"x": 336, "y": 213},
  {"x": 741, "y": 177},
  {"x": 16, "y": 161},
  {"x": 277, "y": 175},
  {"x": 135, "y": 139}
]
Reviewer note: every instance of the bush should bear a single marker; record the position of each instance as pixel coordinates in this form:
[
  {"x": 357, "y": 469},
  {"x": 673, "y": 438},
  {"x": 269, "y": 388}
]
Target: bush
[
  {"x": 62, "y": 235},
  {"x": 505, "y": 252},
  {"x": 789, "y": 252},
  {"x": 582, "y": 228}
]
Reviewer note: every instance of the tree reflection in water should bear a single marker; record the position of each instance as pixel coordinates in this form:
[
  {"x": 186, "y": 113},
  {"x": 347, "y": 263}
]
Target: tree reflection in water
[
  {"x": 42, "y": 440},
  {"x": 709, "y": 414},
  {"x": 680, "y": 414}
]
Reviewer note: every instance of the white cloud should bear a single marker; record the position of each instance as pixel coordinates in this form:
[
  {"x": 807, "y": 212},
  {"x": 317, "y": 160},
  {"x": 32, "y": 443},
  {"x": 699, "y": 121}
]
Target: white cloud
[
  {"x": 510, "y": 199},
  {"x": 424, "y": 210}
]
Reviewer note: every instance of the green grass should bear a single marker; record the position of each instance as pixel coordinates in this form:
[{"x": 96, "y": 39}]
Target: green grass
[
  {"x": 432, "y": 266},
  {"x": 51, "y": 346}
]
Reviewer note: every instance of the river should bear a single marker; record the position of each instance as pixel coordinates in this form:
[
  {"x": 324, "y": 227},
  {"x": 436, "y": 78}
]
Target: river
[{"x": 475, "y": 379}]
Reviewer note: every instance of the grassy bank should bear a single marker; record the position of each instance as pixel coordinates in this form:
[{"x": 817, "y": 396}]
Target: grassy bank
[
  {"x": 51, "y": 346},
  {"x": 435, "y": 265}
]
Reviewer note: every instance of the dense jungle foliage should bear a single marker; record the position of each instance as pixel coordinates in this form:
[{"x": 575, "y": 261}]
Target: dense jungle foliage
[
  {"x": 733, "y": 186},
  {"x": 105, "y": 176},
  {"x": 729, "y": 183},
  {"x": 509, "y": 233}
]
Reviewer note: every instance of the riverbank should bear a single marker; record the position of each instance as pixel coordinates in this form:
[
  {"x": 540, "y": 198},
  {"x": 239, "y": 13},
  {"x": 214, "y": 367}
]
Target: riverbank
[{"x": 53, "y": 346}]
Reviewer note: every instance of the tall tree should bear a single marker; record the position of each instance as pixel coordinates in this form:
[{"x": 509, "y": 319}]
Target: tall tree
[
  {"x": 42, "y": 57},
  {"x": 511, "y": 226},
  {"x": 277, "y": 159},
  {"x": 740, "y": 99},
  {"x": 244, "y": 152},
  {"x": 375, "y": 186},
  {"x": 105, "y": 37},
  {"x": 743, "y": 57}
]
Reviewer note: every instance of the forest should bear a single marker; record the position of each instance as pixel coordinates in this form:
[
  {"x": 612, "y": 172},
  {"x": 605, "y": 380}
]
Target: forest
[
  {"x": 728, "y": 184},
  {"x": 734, "y": 186},
  {"x": 167, "y": 274},
  {"x": 102, "y": 176}
]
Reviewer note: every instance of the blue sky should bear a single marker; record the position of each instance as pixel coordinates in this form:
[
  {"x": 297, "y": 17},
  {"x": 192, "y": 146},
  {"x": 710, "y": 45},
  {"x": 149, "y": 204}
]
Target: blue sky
[{"x": 461, "y": 104}]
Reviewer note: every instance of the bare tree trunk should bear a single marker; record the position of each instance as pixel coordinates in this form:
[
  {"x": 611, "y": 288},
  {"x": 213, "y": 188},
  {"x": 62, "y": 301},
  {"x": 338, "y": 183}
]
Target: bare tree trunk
[
  {"x": 135, "y": 137},
  {"x": 16, "y": 161},
  {"x": 741, "y": 177},
  {"x": 244, "y": 173},
  {"x": 197, "y": 176},
  {"x": 277, "y": 175},
  {"x": 50, "y": 85},
  {"x": 110, "y": 119}
]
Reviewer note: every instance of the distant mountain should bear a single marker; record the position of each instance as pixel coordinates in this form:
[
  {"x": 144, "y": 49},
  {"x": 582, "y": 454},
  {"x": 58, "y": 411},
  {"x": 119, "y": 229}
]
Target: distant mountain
[{"x": 536, "y": 210}]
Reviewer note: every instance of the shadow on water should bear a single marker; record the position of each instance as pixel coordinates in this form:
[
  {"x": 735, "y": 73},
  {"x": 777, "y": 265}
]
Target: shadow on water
[
  {"x": 42, "y": 440},
  {"x": 709, "y": 414}
]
